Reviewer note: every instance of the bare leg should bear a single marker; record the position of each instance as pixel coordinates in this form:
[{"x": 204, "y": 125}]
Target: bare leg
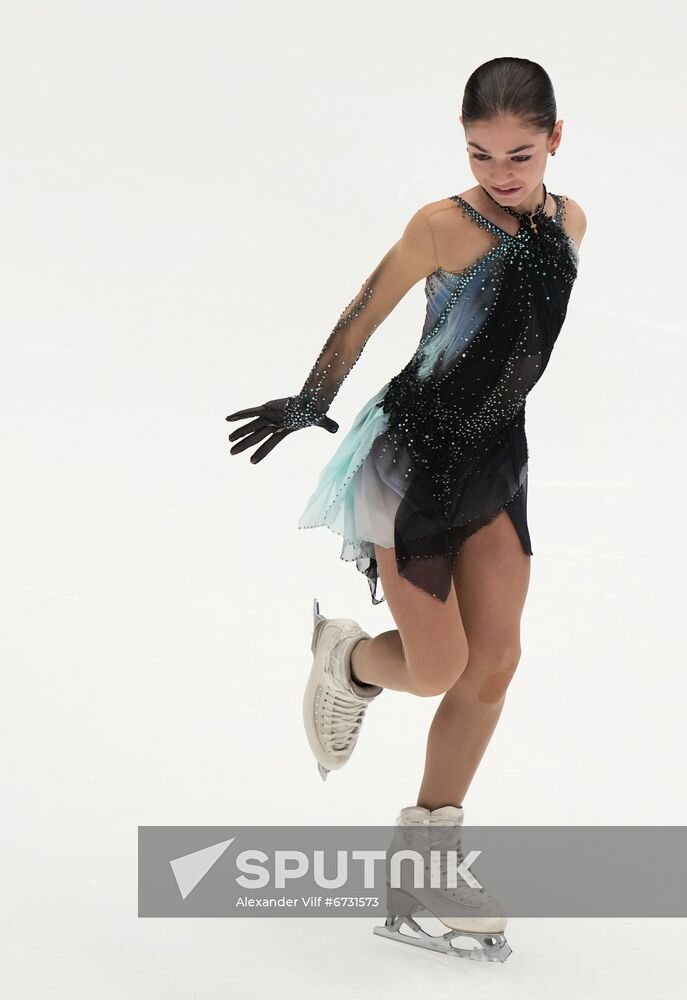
[
  {"x": 381, "y": 660},
  {"x": 427, "y": 652},
  {"x": 491, "y": 577}
]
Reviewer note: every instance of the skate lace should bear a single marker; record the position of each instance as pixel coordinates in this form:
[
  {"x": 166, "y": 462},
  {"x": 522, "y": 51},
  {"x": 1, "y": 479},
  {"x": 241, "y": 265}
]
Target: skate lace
[
  {"x": 461, "y": 890},
  {"x": 444, "y": 860},
  {"x": 343, "y": 717},
  {"x": 461, "y": 887}
]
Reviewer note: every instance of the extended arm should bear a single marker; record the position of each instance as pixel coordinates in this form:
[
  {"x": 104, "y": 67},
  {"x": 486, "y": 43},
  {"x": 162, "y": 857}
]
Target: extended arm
[{"x": 411, "y": 258}]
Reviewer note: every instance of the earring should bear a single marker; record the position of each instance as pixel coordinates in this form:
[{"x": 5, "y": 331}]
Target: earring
[{"x": 553, "y": 152}]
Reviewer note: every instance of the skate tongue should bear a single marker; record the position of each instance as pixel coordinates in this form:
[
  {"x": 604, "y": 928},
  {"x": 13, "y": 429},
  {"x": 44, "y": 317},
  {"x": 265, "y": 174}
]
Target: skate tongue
[
  {"x": 420, "y": 814},
  {"x": 410, "y": 815},
  {"x": 446, "y": 814}
]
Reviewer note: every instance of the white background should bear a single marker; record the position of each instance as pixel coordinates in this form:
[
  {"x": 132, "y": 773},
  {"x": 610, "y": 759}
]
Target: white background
[{"x": 191, "y": 192}]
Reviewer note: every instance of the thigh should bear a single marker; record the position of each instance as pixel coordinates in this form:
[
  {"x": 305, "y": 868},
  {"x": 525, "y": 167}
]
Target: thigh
[
  {"x": 491, "y": 577},
  {"x": 431, "y": 630}
]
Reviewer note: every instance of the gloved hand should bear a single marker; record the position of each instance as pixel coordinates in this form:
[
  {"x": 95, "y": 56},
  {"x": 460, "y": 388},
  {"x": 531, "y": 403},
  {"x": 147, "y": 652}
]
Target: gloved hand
[{"x": 271, "y": 423}]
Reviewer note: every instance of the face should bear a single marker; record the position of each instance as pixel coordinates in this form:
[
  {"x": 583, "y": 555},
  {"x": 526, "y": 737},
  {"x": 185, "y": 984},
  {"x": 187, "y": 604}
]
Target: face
[{"x": 510, "y": 155}]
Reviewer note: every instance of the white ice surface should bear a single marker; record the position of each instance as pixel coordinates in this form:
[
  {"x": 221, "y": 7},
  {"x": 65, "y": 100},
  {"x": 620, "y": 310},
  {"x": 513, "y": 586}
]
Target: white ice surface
[{"x": 190, "y": 193}]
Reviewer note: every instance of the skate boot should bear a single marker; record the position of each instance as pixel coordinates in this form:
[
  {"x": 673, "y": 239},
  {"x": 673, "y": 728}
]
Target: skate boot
[
  {"x": 423, "y": 831},
  {"x": 334, "y": 704}
]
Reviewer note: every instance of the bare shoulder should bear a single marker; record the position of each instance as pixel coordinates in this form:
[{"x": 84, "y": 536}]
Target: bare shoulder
[
  {"x": 458, "y": 242},
  {"x": 435, "y": 211},
  {"x": 574, "y": 220},
  {"x": 430, "y": 229},
  {"x": 425, "y": 217},
  {"x": 443, "y": 218}
]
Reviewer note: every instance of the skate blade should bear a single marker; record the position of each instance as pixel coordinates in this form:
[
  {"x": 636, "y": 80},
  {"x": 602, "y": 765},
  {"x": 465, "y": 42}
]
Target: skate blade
[
  {"x": 317, "y": 615},
  {"x": 490, "y": 947},
  {"x": 317, "y": 619}
]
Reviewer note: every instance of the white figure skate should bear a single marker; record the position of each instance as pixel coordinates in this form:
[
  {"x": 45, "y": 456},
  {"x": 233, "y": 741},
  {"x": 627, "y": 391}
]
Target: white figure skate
[
  {"x": 440, "y": 830},
  {"x": 334, "y": 705}
]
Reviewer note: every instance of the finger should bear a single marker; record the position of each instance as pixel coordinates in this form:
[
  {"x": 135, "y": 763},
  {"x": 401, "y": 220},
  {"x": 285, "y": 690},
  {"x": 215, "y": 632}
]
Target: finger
[
  {"x": 267, "y": 447},
  {"x": 253, "y": 425},
  {"x": 329, "y": 425},
  {"x": 251, "y": 439},
  {"x": 252, "y": 411}
]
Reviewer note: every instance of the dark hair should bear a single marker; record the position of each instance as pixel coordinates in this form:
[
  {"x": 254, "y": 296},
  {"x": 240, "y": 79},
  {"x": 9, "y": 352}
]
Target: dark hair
[{"x": 508, "y": 85}]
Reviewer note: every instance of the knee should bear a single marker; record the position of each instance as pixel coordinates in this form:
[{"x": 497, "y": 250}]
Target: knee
[
  {"x": 492, "y": 681},
  {"x": 436, "y": 675}
]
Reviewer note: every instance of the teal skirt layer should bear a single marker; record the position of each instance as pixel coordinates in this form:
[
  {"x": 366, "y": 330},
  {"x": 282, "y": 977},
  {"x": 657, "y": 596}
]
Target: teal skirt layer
[{"x": 351, "y": 498}]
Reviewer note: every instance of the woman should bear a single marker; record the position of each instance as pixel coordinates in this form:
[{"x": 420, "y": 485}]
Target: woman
[{"x": 429, "y": 487}]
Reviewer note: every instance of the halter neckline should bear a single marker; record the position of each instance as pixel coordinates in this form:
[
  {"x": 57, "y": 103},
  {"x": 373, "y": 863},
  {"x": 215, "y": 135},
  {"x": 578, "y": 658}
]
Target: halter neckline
[
  {"x": 527, "y": 218},
  {"x": 521, "y": 215}
]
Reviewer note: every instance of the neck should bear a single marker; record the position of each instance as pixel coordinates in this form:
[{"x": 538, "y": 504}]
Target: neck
[{"x": 532, "y": 203}]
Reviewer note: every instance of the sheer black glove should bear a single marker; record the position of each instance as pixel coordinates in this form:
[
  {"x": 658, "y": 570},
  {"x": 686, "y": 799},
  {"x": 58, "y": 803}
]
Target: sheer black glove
[{"x": 274, "y": 420}]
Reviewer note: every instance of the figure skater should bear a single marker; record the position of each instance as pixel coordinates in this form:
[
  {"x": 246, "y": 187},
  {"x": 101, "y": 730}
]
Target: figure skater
[{"x": 429, "y": 487}]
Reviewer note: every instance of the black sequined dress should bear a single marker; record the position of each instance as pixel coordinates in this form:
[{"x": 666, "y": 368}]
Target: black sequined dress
[{"x": 441, "y": 448}]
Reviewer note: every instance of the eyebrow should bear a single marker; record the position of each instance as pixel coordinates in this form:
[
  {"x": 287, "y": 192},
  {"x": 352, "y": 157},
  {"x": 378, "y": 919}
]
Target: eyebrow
[{"x": 516, "y": 150}]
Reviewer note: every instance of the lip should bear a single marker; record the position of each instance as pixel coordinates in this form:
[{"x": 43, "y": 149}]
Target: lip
[{"x": 507, "y": 191}]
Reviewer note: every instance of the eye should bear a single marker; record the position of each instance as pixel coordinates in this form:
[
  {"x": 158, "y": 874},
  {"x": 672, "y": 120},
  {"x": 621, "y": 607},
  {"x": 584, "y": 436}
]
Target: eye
[{"x": 517, "y": 159}]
